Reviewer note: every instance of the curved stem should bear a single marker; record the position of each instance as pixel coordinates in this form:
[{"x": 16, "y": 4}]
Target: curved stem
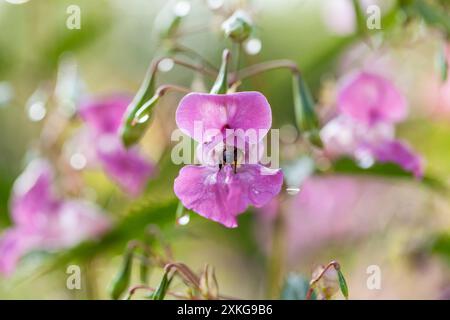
[
  {"x": 265, "y": 66},
  {"x": 195, "y": 55},
  {"x": 199, "y": 68}
]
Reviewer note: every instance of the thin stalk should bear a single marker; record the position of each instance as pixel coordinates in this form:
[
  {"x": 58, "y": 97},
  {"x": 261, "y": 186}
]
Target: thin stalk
[
  {"x": 194, "y": 55},
  {"x": 264, "y": 67},
  {"x": 206, "y": 70}
]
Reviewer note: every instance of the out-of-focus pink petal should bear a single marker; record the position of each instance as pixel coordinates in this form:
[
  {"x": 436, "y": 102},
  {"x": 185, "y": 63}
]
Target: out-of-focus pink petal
[
  {"x": 104, "y": 115},
  {"x": 370, "y": 98},
  {"x": 76, "y": 221},
  {"x": 398, "y": 152},
  {"x": 343, "y": 135},
  {"x": 125, "y": 166},
  {"x": 14, "y": 243},
  {"x": 242, "y": 110},
  {"x": 32, "y": 195},
  {"x": 221, "y": 195}
]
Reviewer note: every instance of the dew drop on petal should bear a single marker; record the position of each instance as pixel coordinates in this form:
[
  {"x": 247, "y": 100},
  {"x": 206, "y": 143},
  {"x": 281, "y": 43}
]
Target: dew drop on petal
[
  {"x": 37, "y": 111},
  {"x": 182, "y": 8},
  {"x": 253, "y": 46}
]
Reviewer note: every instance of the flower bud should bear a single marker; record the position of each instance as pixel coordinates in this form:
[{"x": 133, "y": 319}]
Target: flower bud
[
  {"x": 328, "y": 285},
  {"x": 238, "y": 26},
  {"x": 131, "y": 129}
]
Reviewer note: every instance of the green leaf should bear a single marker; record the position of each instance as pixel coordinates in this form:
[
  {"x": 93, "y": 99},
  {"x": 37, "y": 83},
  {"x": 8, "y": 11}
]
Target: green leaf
[
  {"x": 295, "y": 288},
  {"x": 432, "y": 15},
  {"x": 342, "y": 284}
]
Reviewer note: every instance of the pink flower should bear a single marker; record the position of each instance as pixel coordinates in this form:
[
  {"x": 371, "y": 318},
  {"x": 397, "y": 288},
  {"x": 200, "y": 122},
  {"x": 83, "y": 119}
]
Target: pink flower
[
  {"x": 369, "y": 98},
  {"x": 44, "y": 221},
  {"x": 368, "y": 107},
  {"x": 125, "y": 166},
  {"x": 220, "y": 190}
]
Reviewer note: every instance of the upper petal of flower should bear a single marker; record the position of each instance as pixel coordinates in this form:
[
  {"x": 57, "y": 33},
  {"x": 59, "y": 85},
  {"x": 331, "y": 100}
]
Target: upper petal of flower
[
  {"x": 241, "y": 110},
  {"x": 104, "y": 115},
  {"x": 370, "y": 98},
  {"x": 221, "y": 195}
]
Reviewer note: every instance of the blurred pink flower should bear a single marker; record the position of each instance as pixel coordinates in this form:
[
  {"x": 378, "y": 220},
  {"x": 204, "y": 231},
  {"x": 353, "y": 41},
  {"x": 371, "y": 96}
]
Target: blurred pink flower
[
  {"x": 223, "y": 189},
  {"x": 369, "y": 98},
  {"x": 125, "y": 166},
  {"x": 368, "y": 107},
  {"x": 44, "y": 221}
]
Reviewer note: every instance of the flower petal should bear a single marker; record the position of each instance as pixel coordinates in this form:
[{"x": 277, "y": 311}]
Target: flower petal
[
  {"x": 400, "y": 153},
  {"x": 126, "y": 166},
  {"x": 370, "y": 98},
  {"x": 77, "y": 220},
  {"x": 32, "y": 196},
  {"x": 105, "y": 115},
  {"x": 221, "y": 195},
  {"x": 14, "y": 243},
  {"x": 242, "y": 110}
]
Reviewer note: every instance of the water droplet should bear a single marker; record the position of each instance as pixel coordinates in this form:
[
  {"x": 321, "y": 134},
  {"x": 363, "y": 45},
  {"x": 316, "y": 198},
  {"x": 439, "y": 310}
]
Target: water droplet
[
  {"x": 183, "y": 220},
  {"x": 292, "y": 190},
  {"x": 215, "y": 4},
  {"x": 37, "y": 111},
  {"x": 165, "y": 65},
  {"x": 17, "y": 1},
  {"x": 78, "y": 161},
  {"x": 253, "y": 46},
  {"x": 141, "y": 118},
  {"x": 182, "y": 8}
]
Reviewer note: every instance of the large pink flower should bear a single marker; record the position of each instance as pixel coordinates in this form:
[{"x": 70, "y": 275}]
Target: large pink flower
[
  {"x": 42, "y": 220},
  {"x": 125, "y": 166},
  {"x": 221, "y": 190}
]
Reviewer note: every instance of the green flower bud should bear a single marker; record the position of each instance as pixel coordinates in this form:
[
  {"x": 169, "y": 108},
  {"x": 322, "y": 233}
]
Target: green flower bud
[
  {"x": 238, "y": 27},
  {"x": 132, "y": 130}
]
